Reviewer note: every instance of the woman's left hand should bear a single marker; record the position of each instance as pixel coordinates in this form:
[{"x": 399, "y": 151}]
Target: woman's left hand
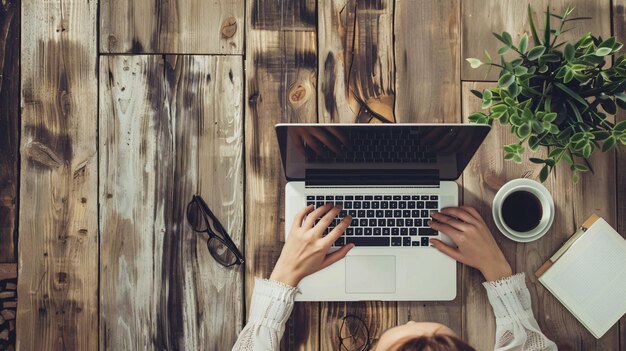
[{"x": 306, "y": 249}]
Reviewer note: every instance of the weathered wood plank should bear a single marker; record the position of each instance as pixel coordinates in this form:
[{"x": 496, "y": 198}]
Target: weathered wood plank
[
  {"x": 220, "y": 182},
  {"x": 136, "y": 155},
  {"x": 186, "y": 26},
  {"x": 58, "y": 233},
  {"x": 356, "y": 60},
  {"x": 167, "y": 133},
  {"x": 480, "y": 18},
  {"x": 8, "y": 271},
  {"x": 427, "y": 51},
  {"x": 573, "y": 203},
  {"x": 619, "y": 30},
  {"x": 9, "y": 126},
  {"x": 281, "y": 66}
]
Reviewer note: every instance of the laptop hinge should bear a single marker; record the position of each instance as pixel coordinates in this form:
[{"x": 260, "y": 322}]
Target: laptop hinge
[{"x": 392, "y": 177}]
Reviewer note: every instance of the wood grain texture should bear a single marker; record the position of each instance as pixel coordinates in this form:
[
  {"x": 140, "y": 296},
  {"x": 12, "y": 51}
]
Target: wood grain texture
[
  {"x": 356, "y": 60},
  {"x": 619, "y": 30},
  {"x": 427, "y": 51},
  {"x": 281, "y": 86},
  {"x": 165, "y": 138},
  {"x": 186, "y": 26},
  {"x": 573, "y": 203},
  {"x": 58, "y": 231},
  {"x": 9, "y": 127},
  {"x": 480, "y": 18},
  {"x": 221, "y": 183}
]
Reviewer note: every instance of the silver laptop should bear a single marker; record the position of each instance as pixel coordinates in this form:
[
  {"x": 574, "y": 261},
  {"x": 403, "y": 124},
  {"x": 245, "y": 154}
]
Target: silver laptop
[{"x": 389, "y": 177}]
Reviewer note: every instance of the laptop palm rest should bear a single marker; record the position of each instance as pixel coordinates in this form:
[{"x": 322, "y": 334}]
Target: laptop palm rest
[{"x": 370, "y": 274}]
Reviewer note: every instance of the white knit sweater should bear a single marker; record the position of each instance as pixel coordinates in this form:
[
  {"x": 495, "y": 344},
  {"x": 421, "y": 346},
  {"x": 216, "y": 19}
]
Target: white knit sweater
[{"x": 516, "y": 327}]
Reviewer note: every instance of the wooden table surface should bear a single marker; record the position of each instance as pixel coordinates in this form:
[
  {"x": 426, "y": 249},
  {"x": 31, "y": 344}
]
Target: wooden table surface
[{"x": 114, "y": 112}]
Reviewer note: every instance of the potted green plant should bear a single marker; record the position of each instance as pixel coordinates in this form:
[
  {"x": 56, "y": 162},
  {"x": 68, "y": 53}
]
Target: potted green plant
[{"x": 557, "y": 94}]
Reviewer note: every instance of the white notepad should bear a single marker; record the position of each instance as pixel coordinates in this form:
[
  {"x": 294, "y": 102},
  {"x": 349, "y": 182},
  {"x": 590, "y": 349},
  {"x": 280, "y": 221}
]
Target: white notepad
[{"x": 588, "y": 275}]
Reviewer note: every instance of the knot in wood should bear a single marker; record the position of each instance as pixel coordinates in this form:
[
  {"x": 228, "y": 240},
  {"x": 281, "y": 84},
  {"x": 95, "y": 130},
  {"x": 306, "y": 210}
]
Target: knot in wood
[
  {"x": 229, "y": 27},
  {"x": 297, "y": 95}
]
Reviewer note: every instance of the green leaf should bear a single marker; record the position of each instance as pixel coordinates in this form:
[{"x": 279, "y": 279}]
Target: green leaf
[
  {"x": 602, "y": 51},
  {"x": 554, "y": 129},
  {"x": 569, "y": 52},
  {"x": 533, "y": 143},
  {"x": 569, "y": 75},
  {"x": 524, "y": 131},
  {"x": 543, "y": 174},
  {"x": 523, "y": 43},
  {"x": 609, "y": 106},
  {"x": 556, "y": 152},
  {"x": 516, "y": 62},
  {"x": 508, "y": 40},
  {"x": 516, "y": 120},
  {"x": 585, "y": 41},
  {"x": 580, "y": 167},
  {"x": 575, "y": 177},
  {"x": 478, "y": 117},
  {"x": 609, "y": 43},
  {"x": 536, "y": 160},
  {"x": 509, "y": 157},
  {"x": 503, "y": 50},
  {"x": 514, "y": 89},
  {"x": 550, "y": 58},
  {"x": 549, "y": 117},
  {"x": 577, "y": 137},
  {"x": 543, "y": 69},
  {"x": 520, "y": 70},
  {"x": 608, "y": 144},
  {"x": 587, "y": 150},
  {"x": 506, "y": 80},
  {"x": 546, "y": 32},
  {"x": 535, "y": 52},
  {"x": 533, "y": 29},
  {"x": 477, "y": 93},
  {"x": 537, "y": 127},
  {"x": 474, "y": 62},
  {"x": 571, "y": 93},
  {"x": 498, "y": 108},
  {"x": 620, "y": 126}
]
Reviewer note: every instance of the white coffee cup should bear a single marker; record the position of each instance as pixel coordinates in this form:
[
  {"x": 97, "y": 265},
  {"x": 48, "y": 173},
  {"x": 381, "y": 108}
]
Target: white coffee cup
[{"x": 547, "y": 207}]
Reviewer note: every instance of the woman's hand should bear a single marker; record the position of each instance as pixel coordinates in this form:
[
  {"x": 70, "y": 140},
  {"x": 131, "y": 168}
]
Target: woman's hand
[
  {"x": 305, "y": 251},
  {"x": 476, "y": 246}
]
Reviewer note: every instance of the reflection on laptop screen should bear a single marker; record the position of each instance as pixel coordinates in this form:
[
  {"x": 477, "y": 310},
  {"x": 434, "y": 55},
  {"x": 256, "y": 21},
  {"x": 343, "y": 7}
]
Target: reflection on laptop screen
[{"x": 441, "y": 152}]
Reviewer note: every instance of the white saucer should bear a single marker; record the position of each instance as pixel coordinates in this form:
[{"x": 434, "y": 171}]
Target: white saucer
[{"x": 497, "y": 201}]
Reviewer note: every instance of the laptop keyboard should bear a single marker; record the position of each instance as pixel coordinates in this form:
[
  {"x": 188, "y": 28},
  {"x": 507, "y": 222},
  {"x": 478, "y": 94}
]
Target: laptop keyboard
[{"x": 382, "y": 220}]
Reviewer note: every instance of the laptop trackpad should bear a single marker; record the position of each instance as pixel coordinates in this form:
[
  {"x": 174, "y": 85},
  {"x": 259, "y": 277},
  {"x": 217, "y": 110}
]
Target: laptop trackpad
[{"x": 370, "y": 274}]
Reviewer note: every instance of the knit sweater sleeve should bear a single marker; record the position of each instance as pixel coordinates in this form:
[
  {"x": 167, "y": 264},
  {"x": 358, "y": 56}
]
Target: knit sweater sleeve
[
  {"x": 516, "y": 327},
  {"x": 270, "y": 308}
]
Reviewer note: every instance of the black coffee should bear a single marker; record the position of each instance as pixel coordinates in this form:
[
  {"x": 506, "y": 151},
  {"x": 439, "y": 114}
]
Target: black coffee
[{"x": 522, "y": 211}]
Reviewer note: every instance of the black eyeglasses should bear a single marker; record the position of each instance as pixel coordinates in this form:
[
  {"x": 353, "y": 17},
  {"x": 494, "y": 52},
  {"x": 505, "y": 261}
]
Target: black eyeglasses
[
  {"x": 353, "y": 334},
  {"x": 220, "y": 245}
]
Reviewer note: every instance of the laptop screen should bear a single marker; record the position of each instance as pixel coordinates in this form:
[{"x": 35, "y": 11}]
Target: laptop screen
[{"x": 369, "y": 153}]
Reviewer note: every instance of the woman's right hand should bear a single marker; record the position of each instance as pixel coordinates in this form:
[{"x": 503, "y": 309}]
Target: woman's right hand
[{"x": 476, "y": 246}]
